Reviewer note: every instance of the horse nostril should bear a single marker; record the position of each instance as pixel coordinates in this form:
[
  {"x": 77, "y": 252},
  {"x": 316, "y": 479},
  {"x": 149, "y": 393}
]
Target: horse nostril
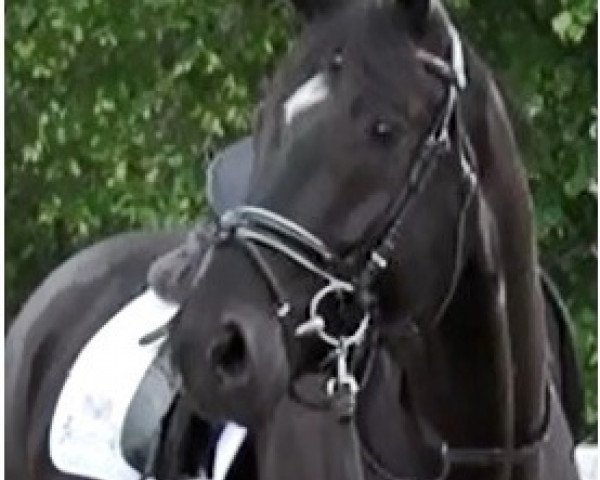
[{"x": 227, "y": 355}]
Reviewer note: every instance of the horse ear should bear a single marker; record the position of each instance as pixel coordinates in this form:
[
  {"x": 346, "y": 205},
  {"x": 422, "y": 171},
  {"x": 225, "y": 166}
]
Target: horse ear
[
  {"x": 311, "y": 9},
  {"x": 172, "y": 275},
  {"x": 419, "y": 11}
]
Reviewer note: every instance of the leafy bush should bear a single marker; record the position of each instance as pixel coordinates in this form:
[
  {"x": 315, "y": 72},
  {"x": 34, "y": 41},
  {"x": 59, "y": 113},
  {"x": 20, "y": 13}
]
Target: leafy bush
[{"x": 114, "y": 107}]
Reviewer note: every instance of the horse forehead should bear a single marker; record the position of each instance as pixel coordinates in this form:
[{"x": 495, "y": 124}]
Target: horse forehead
[{"x": 311, "y": 93}]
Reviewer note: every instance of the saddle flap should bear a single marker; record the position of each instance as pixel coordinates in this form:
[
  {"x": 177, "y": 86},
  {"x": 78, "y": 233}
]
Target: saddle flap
[
  {"x": 228, "y": 176},
  {"x": 143, "y": 422}
]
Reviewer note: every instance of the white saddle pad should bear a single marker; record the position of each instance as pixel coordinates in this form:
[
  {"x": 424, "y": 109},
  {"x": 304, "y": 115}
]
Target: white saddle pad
[{"x": 88, "y": 419}]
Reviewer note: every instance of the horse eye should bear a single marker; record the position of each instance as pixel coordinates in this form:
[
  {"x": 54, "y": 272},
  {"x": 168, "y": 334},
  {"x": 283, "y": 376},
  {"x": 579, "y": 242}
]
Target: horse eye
[{"x": 382, "y": 130}]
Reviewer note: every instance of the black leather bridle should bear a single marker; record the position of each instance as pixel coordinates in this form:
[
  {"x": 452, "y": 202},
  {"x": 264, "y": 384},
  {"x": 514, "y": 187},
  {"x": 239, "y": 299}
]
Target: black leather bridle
[{"x": 255, "y": 228}]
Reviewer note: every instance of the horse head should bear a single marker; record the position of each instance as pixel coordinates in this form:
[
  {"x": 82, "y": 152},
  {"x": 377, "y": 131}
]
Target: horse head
[{"x": 357, "y": 147}]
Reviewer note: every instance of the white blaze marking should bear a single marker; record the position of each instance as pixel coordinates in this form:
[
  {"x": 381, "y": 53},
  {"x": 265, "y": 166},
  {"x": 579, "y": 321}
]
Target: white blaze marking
[{"x": 312, "y": 92}]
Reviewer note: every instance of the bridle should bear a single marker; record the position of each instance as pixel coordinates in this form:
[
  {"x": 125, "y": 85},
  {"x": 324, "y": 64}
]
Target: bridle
[{"x": 254, "y": 229}]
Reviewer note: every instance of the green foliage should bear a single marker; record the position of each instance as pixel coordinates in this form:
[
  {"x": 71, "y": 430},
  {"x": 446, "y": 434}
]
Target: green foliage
[{"x": 113, "y": 108}]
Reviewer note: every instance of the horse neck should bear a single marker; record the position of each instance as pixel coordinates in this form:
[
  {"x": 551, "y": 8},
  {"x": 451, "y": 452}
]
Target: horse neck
[
  {"x": 479, "y": 376},
  {"x": 452, "y": 384},
  {"x": 459, "y": 375},
  {"x": 504, "y": 188}
]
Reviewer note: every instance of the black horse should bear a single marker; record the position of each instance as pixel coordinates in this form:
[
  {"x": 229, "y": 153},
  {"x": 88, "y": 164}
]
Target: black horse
[
  {"x": 85, "y": 292},
  {"x": 113, "y": 273},
  {"x": 387, "y": 198}
]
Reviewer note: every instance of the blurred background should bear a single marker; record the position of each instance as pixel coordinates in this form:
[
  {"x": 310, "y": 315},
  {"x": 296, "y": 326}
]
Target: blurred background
[{"x": 114, "y": 108}]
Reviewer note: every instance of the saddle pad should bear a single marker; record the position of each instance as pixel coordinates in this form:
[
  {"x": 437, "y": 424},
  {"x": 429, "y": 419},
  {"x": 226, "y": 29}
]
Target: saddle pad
[{"x": 89, "y": 415}]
